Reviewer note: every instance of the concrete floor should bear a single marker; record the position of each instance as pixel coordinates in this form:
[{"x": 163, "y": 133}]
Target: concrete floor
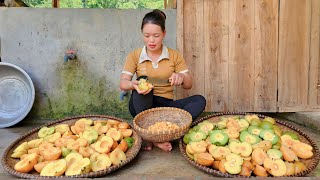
[{"x": 147, "y": 164}]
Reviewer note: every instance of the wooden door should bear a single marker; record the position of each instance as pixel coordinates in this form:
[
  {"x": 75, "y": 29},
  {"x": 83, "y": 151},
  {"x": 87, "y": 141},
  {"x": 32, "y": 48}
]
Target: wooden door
[{"x": 231, "y": 49}]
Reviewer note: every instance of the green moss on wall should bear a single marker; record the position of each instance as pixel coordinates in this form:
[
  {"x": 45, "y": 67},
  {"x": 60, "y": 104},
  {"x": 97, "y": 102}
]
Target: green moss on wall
[{"x": 80, "y": 91}]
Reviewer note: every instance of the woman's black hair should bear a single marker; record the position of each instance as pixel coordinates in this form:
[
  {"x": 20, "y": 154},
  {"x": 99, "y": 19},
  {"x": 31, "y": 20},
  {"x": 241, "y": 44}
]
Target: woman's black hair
[{"x": 155, "y": 17}]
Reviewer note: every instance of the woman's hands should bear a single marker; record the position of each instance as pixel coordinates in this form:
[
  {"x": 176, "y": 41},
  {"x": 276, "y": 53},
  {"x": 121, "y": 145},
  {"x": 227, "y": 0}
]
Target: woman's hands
[
  {"x": 176, "y": 79},
  {"x": 135, "y": 84}
]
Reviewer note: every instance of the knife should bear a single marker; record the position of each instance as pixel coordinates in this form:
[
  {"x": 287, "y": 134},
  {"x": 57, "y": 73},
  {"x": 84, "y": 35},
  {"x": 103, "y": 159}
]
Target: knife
[{"x": 157, "y": 81}]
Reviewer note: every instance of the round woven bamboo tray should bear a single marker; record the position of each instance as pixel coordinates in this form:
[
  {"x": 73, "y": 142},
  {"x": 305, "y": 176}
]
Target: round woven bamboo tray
[
  {"x": 149, "y": 117},
  {"x": 310, "y": 163},
  {"x": 8, "y": 162}
]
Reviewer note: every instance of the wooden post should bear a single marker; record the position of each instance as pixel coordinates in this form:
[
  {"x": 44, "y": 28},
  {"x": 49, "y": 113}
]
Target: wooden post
[
  {"x": 170, "y": 4},
  {"x": 55, "y": 3}
]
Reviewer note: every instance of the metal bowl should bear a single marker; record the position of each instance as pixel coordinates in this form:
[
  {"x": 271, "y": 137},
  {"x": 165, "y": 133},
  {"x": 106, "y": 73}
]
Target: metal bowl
[{"x": 16, "y": 94}]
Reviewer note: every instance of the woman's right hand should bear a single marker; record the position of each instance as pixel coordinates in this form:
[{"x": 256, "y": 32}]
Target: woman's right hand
[{"x": 135, "y": 84}]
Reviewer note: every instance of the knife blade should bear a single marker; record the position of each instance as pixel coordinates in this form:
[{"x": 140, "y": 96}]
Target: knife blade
[{"x": 158, "y": 81}]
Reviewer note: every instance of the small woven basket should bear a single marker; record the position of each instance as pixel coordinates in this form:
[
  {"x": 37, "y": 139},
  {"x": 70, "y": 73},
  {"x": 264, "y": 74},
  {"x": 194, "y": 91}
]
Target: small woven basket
[{"x": 168, "y": 114}]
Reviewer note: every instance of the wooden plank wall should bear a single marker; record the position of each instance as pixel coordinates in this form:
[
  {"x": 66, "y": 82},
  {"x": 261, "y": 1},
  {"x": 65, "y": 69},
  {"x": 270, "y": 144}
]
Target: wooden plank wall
[
  {"x": 241, "y": 55},
  {"x": 294, "y": 35},
  {"x": 252, "y": 55},
  {"x": 266, "y": 53},
  {"x": 314, "y": 97},
  {"x": 299, "y": 48},
  {"x": 216, "y": 54},
  {"x": 193, "y": 44}
]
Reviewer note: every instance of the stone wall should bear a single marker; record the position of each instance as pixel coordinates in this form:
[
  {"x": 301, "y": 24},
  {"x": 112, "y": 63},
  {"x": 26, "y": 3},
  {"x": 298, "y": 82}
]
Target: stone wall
[{"x": 36, "y": 40}]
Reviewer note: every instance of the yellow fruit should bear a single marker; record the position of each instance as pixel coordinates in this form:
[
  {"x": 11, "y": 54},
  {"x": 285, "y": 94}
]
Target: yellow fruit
[
  {"x": 204, "y": 159},
  {"x": 18, "y": 154},
  {"x": 126, "y": 132},
  {"x": 275, "y": 167},
  {"x": 114, "y": 133},
  {"x": 40, "y": 165},
  {"x": 62, "y": 128},
  {"x": 34, "y": 143},
  {"x": 290, "y": 168},
  {"x": 143, "y": 86},
  {"x": 22, "y": 147},
  {"x": 199, "y": 147},
  {"x": 78, "y": 167},
  {"x": 260, "y": 171},
  {"x": 117, "y": 156},
  {"x": 104, "y": 144},
  {"x": 102, "y": 161},
  {"x": 27, "y": 163},
  {"x": 302, "y": 150},
  {"x": 54, "y": 168}
]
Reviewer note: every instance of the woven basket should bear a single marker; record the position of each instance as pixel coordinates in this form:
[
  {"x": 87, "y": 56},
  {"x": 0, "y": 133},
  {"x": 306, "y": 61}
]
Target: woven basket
[
  {"x": 149, "y": 117},
  {"x": 310, "y": 163},
  {"x": 8, "y": 162}
]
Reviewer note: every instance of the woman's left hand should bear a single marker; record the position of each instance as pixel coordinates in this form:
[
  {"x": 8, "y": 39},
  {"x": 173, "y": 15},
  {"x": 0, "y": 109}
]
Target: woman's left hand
[{"x": 176, "y": 79}]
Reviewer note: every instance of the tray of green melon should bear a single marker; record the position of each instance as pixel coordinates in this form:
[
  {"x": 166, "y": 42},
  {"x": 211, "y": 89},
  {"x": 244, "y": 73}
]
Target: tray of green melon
[{"x": 245, "y": 145}]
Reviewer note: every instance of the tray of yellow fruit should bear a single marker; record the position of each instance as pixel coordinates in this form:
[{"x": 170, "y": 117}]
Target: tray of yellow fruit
[
  {"x": 83, "y": 146},
  {"x": 248, "y": 145}
]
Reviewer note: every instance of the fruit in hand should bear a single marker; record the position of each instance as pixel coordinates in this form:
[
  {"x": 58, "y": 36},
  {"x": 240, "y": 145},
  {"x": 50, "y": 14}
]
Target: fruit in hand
[{"x": 144, "y": 85}]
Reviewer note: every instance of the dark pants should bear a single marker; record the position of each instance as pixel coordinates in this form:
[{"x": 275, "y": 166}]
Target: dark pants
[{"x": 193, "y": 104}]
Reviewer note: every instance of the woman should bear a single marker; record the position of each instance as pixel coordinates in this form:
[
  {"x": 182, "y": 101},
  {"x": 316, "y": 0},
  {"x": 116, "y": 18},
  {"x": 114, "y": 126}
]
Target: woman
[{"x": 164, "y": 67}]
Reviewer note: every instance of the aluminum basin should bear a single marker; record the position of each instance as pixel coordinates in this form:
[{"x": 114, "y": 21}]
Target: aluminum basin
[{"x": 16, "y": 94}]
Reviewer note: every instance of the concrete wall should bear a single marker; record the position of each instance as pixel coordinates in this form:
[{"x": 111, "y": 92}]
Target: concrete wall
[{"x": 36, "y": 40}]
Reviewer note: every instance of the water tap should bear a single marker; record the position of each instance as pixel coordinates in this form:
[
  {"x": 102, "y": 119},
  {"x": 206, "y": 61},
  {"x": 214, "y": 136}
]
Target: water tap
[{"x": 69, "y": 55}]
